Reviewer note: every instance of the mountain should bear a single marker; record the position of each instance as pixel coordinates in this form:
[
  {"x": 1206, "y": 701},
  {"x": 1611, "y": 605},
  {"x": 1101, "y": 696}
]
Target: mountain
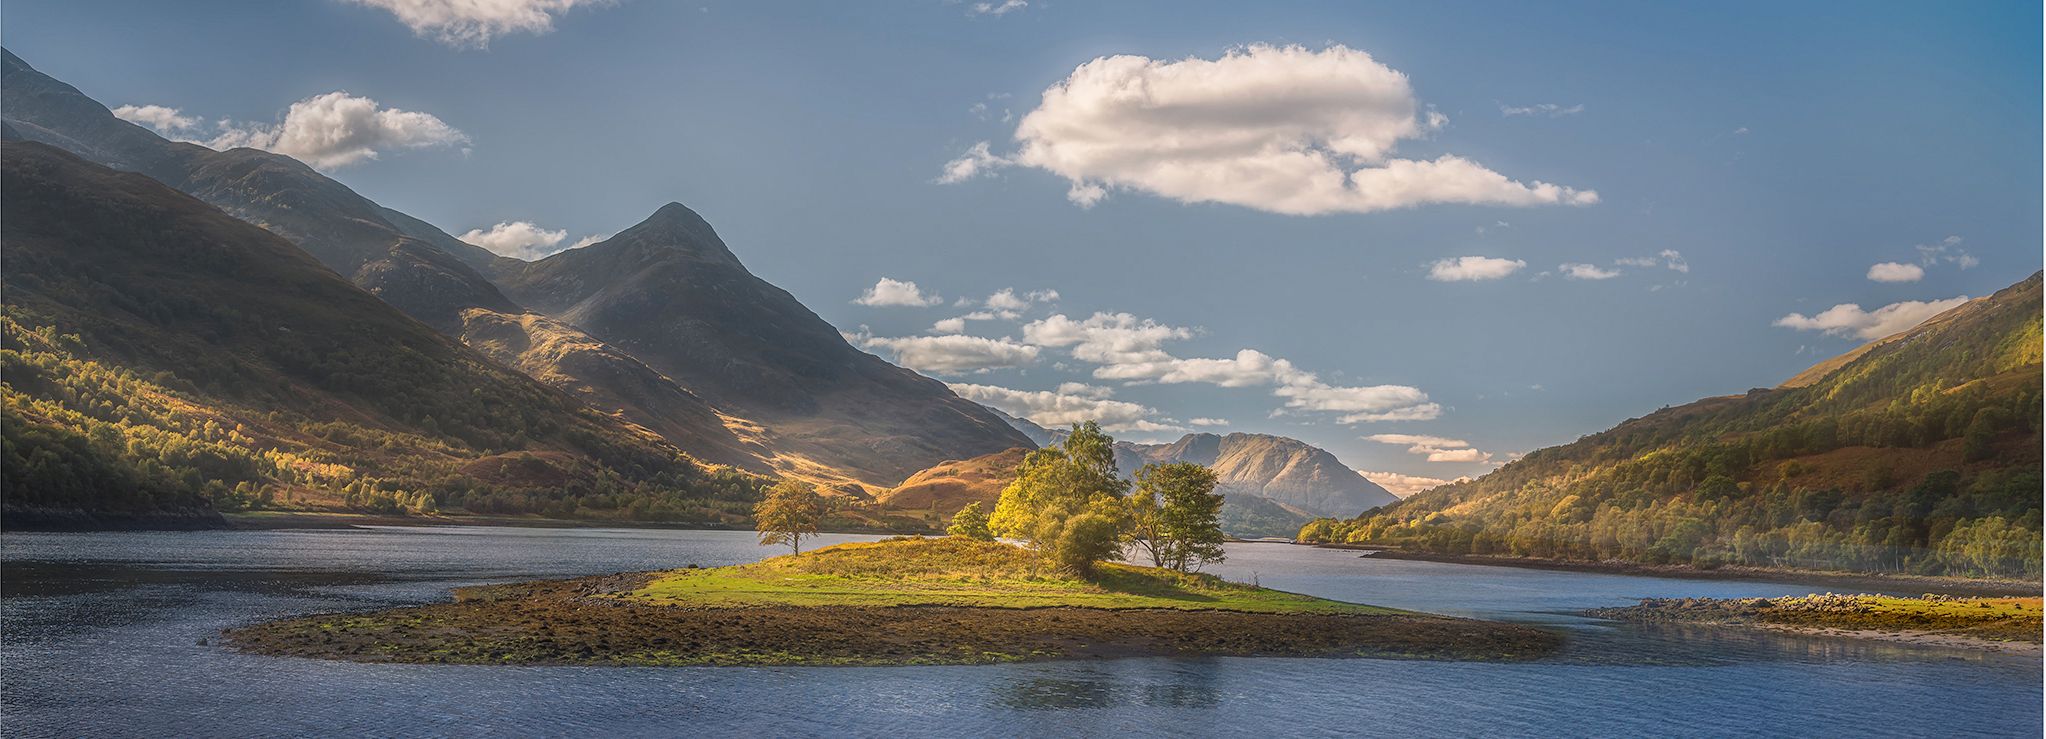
[
  {"x": 1272, "y": 484},
  {"x": 427, "y": 278},
  {"x": 671, "y": 294},
  {"x": 866, "y": 423},
  {"x": 1919, "y": 452},
  {"x": 1289, "y": 472},
  {"x": 160, "y": 360}
]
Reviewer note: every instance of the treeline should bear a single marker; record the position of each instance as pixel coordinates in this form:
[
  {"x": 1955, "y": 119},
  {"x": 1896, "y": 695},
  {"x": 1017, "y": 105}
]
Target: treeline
[{"x": 79, "y": 434}]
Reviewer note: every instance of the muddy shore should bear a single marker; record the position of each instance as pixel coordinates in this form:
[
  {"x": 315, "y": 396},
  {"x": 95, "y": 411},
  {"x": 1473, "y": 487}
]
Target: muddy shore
[{"x": 568, "y": 622}]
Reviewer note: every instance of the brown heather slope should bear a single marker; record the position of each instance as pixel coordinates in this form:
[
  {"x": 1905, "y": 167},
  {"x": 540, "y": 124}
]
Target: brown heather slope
[{"x": 942, "y": 490}]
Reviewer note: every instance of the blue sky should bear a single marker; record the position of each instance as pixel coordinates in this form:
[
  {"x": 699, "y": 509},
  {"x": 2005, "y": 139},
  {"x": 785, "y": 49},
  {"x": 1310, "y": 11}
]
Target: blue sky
[{"x": 1780, "y": 151}]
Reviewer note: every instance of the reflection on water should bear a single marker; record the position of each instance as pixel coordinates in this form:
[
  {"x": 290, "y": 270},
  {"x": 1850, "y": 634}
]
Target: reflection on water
[{"x": 116, "y": 634}]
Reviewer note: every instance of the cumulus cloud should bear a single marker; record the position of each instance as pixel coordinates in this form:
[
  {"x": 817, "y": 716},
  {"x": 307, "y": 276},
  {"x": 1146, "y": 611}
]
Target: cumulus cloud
[
  {"x": 1587, "y": 272},
  {"x": 1434, "y": 448},
  {"x": 1283, "y": 129},
  {"x": 336, "y": 130},
  {"x": 1848, "y": 319},
  {"x": 1060, "y": 409},
  {"x": 949, "y": 326},
  {"x": 1549, "y": 110},
  {"x": 1405, "y": 485},
  {"x": 1473, "y": 269},
  {"x": 519, "y": 240},
  {"x": 166, "y": 121},
  {"x": 1895, "y": 272},
  {"x": 953, "y": 354},
  {"x": 1131, "y": 349},
  {"x": 892, "y": 292},
  {"x": 472, "y": 24},
  {"x": 1209, "y": 421}
]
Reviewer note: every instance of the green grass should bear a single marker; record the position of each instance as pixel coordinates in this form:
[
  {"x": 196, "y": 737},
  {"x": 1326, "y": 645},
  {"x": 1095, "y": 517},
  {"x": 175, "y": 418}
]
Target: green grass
[{"x": 959, "y": 572}]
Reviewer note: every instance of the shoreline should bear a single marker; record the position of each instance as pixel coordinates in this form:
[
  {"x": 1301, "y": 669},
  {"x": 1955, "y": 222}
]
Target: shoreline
[
  {"x": 1894, "y": 583},
  {"x": 1999, "y": 625},
  {"x": 582, "y": 621}
]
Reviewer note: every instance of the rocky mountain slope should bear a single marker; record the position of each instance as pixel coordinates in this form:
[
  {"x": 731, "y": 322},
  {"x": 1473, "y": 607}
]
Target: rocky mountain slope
[
  {"x": 162, "y": 359},
  {"x": 670, "y": 293},
  {"x": 1919, "y": 452}
]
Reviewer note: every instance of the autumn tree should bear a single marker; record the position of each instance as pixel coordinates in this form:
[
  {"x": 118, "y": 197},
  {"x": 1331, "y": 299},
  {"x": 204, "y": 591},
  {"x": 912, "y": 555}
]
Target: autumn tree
[
  {"x": 1066, "y": 500},
  {"x": 791, "y": 510},
  {"x": 1175, "y": 516},
  {"x": 971, "y": 523}
]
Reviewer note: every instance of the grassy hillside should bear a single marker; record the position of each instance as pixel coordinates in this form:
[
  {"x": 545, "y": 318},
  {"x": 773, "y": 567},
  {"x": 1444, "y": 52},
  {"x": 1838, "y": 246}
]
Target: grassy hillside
[
  {"x": 162, "y": 357},
  {"x": 1920, "y": 453}
]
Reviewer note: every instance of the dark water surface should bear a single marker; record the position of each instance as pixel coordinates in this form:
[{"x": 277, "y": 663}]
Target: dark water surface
[{"x": 101, "y": 635}]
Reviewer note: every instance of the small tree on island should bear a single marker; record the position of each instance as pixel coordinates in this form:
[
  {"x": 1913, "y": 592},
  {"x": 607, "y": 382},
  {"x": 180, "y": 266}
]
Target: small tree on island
[
  {"x": 791, "y": 510},
  {"x": 1066, "y": 501},
  {"x": 1175, "y": 516},
  {"x": 971, "y": 523}
]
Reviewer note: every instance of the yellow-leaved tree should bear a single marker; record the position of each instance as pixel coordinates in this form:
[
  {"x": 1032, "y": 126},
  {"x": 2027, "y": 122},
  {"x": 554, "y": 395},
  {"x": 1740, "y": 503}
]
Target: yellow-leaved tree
[{"x": 1066, "y": 501}]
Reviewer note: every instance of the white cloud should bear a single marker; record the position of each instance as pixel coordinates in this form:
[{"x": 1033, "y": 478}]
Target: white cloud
[
  {"x": 1947, "y": 250},
  {"x": 518, "y": 240},
  {"x": 588, "y": 240},
  {"x": 1848, "y": 319},
  {"x": 1587, "y": 272},
  {"x": 1895, "y": 272},
  {"x": 953, "y": 354},
  {"x": 1405, "y": 485},
  {"x": 999, "y": 9},
  {"x": 1280, "y": 129},
  {"x": 1106, "y": 338},
  {"x": 975, "y": 162},
  {"x": 1209, "y": 421},
  {"x": 1084, "y": 390},
  {"x": 1059, "y": 410},
  {"x": 1130, "y": 349},
  {"x": 949, "y": 326},
  {"x": 1551, "y": 110},
  {"x": 165, "y": 120},
  {"x": 471, "y": 24},
  {"x": 1434, "y": 448},
  {"x": 890, "y": 291},
  {"x": 1669, "y": 259},
  {"x": 1473, "y": 269},
  {"x": 338, "y": 129}
]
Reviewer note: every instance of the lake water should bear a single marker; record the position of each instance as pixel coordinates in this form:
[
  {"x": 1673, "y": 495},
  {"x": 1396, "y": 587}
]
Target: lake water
[{"x": 115, "y": 634}]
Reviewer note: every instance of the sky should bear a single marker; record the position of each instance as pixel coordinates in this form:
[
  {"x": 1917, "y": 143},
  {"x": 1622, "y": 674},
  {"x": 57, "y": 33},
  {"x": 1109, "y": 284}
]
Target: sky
[{"x": 1428, "y": 237}]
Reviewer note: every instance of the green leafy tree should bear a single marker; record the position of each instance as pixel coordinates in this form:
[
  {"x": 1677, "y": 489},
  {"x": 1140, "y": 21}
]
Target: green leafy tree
[
  {"x": 1054, "y": 488},
  {"x": 971, "y": 523},
  {"x": 1175, "y": 516},
  {"x": 791, "y": 510}
]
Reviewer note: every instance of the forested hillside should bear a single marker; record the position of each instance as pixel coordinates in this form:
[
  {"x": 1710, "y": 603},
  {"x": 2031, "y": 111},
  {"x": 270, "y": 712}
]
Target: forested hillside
[
  {"x": 163, "y": 359},
  {"x": 1921, "y": 453}
]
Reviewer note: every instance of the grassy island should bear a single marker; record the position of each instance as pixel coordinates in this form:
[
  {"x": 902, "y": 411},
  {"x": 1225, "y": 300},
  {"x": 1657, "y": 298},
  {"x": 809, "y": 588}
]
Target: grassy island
[
  {"x": 905, "y": 601},
  {"x": 2005, "y": 624}
]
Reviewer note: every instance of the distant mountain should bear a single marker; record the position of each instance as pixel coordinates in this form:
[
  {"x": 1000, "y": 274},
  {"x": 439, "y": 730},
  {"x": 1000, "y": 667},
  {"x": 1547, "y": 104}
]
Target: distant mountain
[
  {"x": 671, "y": 294},
  {"x": 1919, "y": 452},
  {"x": 1272, "y": 484},
  {"x": 166, "y": 360},
  {"x": 426, "y": 278}
]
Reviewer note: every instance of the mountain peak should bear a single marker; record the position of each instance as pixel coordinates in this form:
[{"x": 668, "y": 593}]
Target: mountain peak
[{"x": 674, "y": 226}]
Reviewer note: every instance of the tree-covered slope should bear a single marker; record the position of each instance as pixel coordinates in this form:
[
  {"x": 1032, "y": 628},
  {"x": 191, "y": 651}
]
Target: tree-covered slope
[
  {"x": 161, "y": 357},
  {"x": 1919, "y": 453}
]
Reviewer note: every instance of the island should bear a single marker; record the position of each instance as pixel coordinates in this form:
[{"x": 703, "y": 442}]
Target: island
[
  {"x": 904, "y": 601},
  {"x": 1992, "y": 624}
]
